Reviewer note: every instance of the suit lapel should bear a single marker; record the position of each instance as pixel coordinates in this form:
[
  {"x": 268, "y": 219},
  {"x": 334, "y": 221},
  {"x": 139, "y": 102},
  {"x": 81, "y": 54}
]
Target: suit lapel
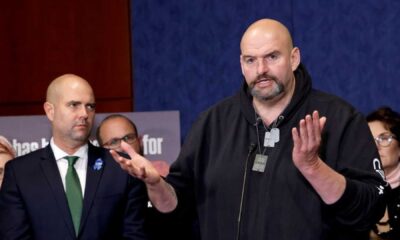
[
  {"x": 94, "y": 172},
  {"x": 52, "y": 174}
]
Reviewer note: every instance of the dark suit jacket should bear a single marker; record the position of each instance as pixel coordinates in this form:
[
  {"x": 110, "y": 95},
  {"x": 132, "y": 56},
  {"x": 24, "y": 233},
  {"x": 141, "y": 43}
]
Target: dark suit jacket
[{"x": 33, "y": 204}]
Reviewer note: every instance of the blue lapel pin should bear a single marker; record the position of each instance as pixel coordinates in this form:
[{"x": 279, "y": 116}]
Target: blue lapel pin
[{"x": 98, "y": 164}]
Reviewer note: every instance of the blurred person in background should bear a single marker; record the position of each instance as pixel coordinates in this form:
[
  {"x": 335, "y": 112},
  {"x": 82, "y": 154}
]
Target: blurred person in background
[
  {"x": 7, "y": 153},
  {"x": 385, "y": 127},
  {"x": 114, "y": 129}
]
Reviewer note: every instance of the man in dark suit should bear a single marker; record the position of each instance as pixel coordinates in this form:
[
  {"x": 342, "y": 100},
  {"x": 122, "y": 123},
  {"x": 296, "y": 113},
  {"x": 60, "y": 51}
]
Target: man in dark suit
[
  {"x": 116, "y": 128},
  {"x": 70, "y": 189}
]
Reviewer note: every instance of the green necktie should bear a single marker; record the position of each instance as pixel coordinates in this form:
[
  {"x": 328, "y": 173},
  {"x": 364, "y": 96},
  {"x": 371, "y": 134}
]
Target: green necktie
[{"x": 73, "y": 192}]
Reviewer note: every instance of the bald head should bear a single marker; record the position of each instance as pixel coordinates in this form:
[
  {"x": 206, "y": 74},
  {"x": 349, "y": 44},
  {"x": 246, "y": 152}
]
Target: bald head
[
  {"x": 64, "y": 82},
  {"x": 266, "y": 30},
  {"x": 268, "y": 61},
  {"x": 70, "y": 107}
]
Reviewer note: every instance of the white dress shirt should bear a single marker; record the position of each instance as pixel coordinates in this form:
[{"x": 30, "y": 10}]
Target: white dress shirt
[{"x": 80, "y": 165}]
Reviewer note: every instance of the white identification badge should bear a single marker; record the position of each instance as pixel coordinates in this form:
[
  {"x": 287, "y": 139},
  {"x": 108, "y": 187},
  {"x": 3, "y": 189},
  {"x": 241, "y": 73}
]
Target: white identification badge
[
  {"x": 259, "y": 163},
  {"x": 271, "y": 137}
]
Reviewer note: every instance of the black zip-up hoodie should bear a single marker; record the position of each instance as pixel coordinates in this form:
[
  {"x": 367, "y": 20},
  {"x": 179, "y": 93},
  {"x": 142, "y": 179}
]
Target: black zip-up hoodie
[{"x": 278, "y": 203}]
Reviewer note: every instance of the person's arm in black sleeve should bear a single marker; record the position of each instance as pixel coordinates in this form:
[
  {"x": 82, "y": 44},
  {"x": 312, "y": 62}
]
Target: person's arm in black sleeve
[{"x": 361, "y": 201}]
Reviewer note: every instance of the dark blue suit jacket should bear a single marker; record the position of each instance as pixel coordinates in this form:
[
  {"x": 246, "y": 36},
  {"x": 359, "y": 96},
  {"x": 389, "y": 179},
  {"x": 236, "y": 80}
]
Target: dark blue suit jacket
[{"x": 33, "y": 204}]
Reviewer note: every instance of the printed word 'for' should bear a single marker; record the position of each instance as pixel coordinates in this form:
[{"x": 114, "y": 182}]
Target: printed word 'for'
[{"x": 151, "y": 145}]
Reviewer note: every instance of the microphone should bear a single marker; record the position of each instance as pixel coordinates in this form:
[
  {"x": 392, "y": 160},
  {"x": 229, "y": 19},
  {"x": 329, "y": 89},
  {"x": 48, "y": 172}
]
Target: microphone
[
  {"x": 252, "y": 147},
  {"x": 258, "y": 120}
]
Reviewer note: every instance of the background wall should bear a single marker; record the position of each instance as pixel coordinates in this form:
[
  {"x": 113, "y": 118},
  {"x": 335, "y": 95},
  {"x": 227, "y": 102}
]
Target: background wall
[
  {"x": 186, "y": 53},
  {"x": 40, "y": 40}
]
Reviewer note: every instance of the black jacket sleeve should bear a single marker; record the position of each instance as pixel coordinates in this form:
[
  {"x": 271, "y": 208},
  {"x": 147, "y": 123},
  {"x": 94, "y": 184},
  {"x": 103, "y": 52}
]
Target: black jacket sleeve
[{"x": 357, "y": 159}]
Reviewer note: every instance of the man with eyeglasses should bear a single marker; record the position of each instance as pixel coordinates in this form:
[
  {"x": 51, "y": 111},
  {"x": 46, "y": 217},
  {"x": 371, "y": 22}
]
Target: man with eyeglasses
[{"x": 116, "y": 128}]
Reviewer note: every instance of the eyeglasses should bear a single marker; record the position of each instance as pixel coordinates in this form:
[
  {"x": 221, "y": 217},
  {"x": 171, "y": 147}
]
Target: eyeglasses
[
  {"x": 116, "y": 142},
  {"x": 384, "y": 140}
]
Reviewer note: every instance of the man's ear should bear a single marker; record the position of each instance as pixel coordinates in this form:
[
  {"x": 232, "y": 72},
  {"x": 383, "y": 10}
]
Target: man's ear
[
  {"x": 49, "y": 110},
  {"x": 241, "y": 63},
  {"x": 295, "y": 58}
]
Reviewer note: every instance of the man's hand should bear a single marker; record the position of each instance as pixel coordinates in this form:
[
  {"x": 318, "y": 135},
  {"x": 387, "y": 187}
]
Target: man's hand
[
  {"x": 328, "y": 183},
  {"x": 307, "y": 141},
  {"x": 137, "y": 166},
  {"x": 160, "y": 193}
]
